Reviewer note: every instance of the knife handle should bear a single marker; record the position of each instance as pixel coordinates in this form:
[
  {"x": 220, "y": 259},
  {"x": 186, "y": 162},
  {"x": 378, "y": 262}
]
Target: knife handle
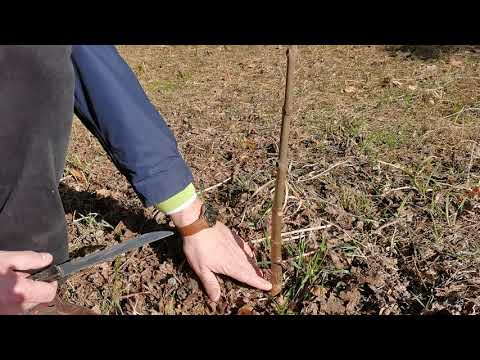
[{"x": 50, "y": 274}]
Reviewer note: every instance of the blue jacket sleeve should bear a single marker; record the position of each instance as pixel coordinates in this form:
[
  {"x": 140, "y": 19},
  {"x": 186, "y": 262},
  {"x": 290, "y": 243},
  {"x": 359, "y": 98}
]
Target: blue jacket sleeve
[{"x": 111, "y": 103}]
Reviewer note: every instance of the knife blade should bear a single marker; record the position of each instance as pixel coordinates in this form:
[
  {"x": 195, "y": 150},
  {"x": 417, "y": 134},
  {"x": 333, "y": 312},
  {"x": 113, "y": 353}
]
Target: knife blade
[{"x": 68, "y": 268}]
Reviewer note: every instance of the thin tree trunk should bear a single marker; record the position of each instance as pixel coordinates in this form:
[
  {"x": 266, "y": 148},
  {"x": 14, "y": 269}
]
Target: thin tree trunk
[{"x": 277, "y": 213}]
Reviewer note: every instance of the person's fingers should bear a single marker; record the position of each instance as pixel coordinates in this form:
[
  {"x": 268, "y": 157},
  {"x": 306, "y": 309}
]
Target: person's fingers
[
  {"x": 28, "y": 306},
  {"x": 243, "y": 245},
  {"x": 25, "y": 260},
  {"x": 251, "y": 255},
  {"x": 20, "y": 309},
  {"x": 12, "y": 310},
  {"x": 250, "y": 277},
  {"x": 250, "y": 258},
  {"x": 211, "y": 285},
  {"x": 35, "y": 291},
  {"x": 248, "y": 249},
  {"x": 253, "y": 264},
  {"x": 257, "y": 270},
  {"x": 253, "y": 261}
]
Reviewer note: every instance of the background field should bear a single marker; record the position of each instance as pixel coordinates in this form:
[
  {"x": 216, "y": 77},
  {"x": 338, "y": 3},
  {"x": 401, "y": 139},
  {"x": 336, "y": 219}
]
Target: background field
[{"x": 382, "y": 212}]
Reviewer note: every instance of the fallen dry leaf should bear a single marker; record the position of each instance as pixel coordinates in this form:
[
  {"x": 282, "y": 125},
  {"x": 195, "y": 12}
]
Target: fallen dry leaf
[
  {"x": 245, "y": 310},
  {"x": 250, "y": 144},
  {"x": 475, "y": 192},
  {"x": 319, "y": 291},
  {"x": 103, "y": 193},
  {"x": 78, "y": 175},
  {"x": 337, "y": 260},
  {"x": 333, "y": 306},
  {"x": 243, "y": 157},
  {"x": 350, "y": 89},
  {"x": 119, "y": 228},
  {"x": 352, "y": 298},
  {"x": 456, "y": 62}
]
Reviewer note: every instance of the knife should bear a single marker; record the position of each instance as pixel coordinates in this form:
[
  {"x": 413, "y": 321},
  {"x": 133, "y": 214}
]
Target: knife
[{"x": 63, "y": 271}]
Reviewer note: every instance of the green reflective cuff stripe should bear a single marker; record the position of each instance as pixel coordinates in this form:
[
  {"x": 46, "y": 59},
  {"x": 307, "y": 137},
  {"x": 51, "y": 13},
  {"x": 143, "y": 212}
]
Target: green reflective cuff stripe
[{"x": 177, "y": 200}]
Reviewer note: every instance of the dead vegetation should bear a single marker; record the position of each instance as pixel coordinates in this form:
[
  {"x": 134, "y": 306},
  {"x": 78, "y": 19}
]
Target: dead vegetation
[{"x": 382, "y": 201}]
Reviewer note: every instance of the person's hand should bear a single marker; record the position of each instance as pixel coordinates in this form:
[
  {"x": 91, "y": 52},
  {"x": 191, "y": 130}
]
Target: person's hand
[
  {"x": 18, "y": 294},
  {"x": 217, "y": 251}
]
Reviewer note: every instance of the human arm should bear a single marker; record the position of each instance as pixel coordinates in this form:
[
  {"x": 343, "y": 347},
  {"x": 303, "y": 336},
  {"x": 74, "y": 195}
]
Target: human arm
[{"x": 111, "y": 103}]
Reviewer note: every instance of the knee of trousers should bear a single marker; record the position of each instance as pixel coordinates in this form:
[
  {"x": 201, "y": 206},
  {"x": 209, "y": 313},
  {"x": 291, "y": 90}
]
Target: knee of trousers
[{"x": 36, "y": 110}]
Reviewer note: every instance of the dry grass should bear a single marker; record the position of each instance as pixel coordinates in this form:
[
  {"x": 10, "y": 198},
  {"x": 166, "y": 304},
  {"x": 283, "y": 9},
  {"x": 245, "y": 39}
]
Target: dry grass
[{"x": 384, "y": 150}]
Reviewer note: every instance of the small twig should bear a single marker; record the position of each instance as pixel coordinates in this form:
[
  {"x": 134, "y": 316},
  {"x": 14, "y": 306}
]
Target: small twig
[
  {"x": 337, "y": 227},
  {"x": 398, "y": 189},
  {"x": 135, "y": 312},
  {"x": 470, "y": 164},
  {"x": 414, "y": 258},
  {"x": 392, "y": 242},
  {"x": 246, "y": 208},
  {"x": 438, "y": 129},
  {"x": 462, "y": 110},
  {"x": 391, "y": 223},
  {"x": 244, "y": 213},
  {"x": 393, "y": 165},
  {"x": 300, "y": 256},
  {"x": 285, "y": 261},
  {"x": 66, "y": 177},
  {"x": 125, "y": 263},
  {"x": 261, "y": 188},
  {"x": 284, "y": 240},
  {"x": 216, "y": 186},
  {"x": 324, "y": 172},
  {"x": 316, "y": 228},
  {"x": 407, "y": 172},
  {"x": 456, "y": 187},
  {"x": 296, "y": 232},
  {"x": 455, "y": 113},
  {"x": 134, "y": 294}
]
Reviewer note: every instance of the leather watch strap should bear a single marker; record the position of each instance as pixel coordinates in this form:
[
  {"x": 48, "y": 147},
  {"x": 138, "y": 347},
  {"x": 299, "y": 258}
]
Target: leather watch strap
[{"x": 195, "y": 227}]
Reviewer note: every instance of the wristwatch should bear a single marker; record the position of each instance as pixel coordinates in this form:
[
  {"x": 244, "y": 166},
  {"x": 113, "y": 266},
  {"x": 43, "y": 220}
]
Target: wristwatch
[{"x": 207, "y": 219}]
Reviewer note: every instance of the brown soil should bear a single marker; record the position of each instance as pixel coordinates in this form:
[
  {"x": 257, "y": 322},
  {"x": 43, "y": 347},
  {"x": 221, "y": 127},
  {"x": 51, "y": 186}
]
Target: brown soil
[{"x": 384, "y": 158}]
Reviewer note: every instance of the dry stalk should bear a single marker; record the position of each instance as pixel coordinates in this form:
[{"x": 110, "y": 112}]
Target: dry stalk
[{"x": 277, "y": 213}]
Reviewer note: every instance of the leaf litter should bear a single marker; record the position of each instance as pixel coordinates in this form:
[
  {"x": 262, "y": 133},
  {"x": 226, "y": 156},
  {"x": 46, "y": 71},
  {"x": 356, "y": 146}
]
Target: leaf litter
[{"x": 388, "y": 241}]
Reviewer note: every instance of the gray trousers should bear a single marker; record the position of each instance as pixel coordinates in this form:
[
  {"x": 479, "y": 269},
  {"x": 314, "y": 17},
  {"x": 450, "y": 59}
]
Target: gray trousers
[{"x": 36, "y": 111}]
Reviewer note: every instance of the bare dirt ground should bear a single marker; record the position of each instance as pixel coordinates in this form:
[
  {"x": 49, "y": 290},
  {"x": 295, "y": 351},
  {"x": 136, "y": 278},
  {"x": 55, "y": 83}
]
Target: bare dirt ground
[{"x": 383, "y": 204}]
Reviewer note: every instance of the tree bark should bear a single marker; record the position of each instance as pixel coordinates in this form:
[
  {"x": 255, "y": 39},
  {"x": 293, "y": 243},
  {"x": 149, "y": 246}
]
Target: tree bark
[{"x": 277, "y": 212}]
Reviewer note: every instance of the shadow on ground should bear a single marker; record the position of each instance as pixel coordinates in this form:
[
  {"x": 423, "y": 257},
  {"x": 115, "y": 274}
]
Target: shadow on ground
[
  {"x": 114, "y": 212},
  {"x": 429, "y": 52}
]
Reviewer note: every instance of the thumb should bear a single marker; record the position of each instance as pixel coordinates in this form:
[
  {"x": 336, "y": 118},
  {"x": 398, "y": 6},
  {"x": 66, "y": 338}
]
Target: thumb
[
  {"x": 211, "y": 285},
  {"x": 25, "y": 260}
]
